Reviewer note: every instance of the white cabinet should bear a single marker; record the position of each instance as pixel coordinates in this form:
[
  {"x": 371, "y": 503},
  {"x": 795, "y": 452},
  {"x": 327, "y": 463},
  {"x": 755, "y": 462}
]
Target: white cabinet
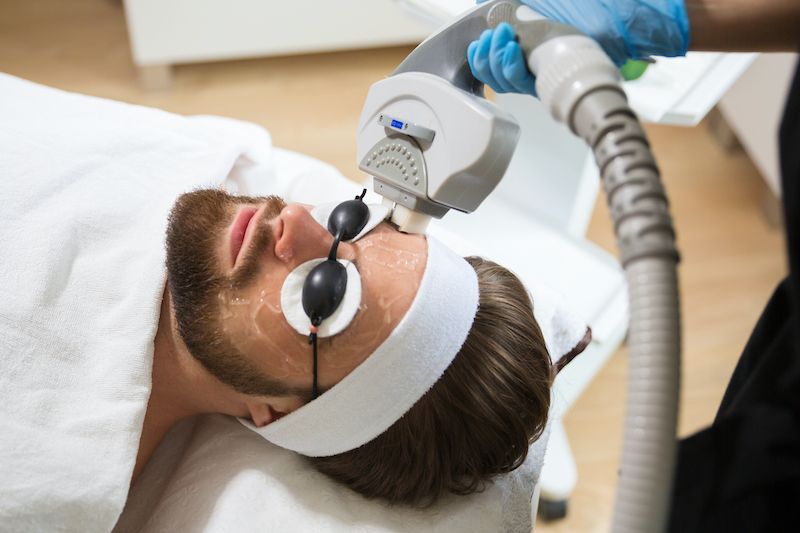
[{"x": 187, "y": 31}]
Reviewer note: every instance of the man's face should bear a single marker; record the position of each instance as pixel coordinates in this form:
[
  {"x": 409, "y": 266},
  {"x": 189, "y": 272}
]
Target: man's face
[{"x": 227, "y": 259}]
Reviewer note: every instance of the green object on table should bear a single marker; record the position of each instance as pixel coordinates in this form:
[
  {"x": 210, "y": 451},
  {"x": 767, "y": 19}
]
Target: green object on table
[{"x": 633, "y": 69}]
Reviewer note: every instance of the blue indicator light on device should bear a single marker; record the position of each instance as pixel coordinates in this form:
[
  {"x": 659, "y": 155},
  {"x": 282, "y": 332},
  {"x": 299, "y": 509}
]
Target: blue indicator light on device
[{"x": 397, "y": 124}]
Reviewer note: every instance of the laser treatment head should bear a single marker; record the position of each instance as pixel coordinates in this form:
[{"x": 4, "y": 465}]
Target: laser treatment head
[
  {"x": 432, "y": 147},
  {"x": 427, "y": 135},
  {"x": 430, "y": 139}
]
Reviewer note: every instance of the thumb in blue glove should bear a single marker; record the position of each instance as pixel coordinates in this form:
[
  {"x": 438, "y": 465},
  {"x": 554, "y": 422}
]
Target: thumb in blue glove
[{"x": 497, "y": 60}]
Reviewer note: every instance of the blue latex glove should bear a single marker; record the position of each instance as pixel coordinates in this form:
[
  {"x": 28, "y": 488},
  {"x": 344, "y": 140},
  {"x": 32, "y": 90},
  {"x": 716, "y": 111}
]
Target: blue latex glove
[
  {"x": 497, "y": 60},
  {"x": 626, "y": 29}
]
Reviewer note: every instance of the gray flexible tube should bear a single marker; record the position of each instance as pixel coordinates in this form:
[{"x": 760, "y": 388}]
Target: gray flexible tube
[{"x": 647, "y": 249}]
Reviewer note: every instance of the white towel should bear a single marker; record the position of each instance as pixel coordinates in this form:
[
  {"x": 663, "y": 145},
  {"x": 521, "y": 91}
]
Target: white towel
[{"x": 86, "y": 188}]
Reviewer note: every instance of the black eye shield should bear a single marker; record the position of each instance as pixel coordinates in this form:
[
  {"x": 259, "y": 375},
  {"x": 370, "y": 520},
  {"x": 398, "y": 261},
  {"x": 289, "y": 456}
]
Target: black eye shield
[{"x": 325, "y": 286}]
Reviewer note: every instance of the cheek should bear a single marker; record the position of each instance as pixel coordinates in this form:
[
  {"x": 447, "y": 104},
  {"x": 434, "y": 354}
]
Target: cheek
[{"x": 254, "y": 323}]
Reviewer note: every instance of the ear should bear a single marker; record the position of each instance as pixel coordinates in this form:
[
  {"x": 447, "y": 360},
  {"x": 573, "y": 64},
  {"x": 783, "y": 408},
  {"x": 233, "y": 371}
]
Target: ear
[
  {"x": 264, "y": 413},
  {"x": 581, "y": 346}
]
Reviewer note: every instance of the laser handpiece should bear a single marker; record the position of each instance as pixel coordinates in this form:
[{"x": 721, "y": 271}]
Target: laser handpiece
[{"x": 430, "y": 139}]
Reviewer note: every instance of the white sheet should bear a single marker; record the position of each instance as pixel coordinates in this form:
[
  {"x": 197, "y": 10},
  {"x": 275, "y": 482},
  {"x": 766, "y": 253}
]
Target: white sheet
[
  {"x": 86, "y": 187},
  {"x": 212, "y": 474}
]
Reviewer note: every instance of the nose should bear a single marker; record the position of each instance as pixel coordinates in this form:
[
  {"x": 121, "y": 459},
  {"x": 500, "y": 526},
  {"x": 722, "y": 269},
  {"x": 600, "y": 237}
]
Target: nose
[{"x": 302, "y": 238}]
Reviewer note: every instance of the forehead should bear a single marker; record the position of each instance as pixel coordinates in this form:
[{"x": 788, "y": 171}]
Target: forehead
[{"x": 391, "y": 265}]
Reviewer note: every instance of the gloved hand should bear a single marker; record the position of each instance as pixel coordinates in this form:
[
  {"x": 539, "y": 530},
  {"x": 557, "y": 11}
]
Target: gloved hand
[{"x": 626, "y": 29}]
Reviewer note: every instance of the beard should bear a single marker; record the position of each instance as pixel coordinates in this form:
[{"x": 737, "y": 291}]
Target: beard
[{"x": 195, "y": 278}]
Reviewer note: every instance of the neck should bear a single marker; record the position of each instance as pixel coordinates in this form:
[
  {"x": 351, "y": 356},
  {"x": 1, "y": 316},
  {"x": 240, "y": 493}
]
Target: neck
[{"x": 181, "y": 387}]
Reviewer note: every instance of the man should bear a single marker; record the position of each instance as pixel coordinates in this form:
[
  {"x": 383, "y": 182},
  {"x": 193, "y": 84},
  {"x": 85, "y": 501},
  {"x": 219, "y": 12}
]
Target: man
[
  {"x": 225, "y": 293},
  {"x": 101, "y": 357},
  {"x": 264, "y": 369}
]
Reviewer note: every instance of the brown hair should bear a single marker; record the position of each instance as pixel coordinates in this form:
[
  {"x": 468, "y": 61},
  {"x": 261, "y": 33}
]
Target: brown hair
[{"x": 476, "y": 422}]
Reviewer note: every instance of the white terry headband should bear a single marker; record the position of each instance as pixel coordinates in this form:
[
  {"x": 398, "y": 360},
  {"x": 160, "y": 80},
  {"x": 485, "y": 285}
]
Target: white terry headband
[{"x": 397, "y": 374}]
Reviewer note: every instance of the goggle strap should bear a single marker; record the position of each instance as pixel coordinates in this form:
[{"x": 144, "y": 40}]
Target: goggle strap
[
  {"x": 335, "y": 247},
  {"x": 312, "y": 339}
]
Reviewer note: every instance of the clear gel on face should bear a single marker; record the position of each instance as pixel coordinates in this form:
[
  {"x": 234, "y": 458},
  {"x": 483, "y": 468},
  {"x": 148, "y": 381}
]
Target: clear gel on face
[
  {"x": 391, "y": 275},
  {"x": 254, "y": 326}
]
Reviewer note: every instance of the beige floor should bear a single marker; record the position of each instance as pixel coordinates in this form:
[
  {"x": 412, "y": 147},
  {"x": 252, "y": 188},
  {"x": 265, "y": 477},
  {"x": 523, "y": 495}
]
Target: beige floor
[{"x": 732, "y": 259}]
